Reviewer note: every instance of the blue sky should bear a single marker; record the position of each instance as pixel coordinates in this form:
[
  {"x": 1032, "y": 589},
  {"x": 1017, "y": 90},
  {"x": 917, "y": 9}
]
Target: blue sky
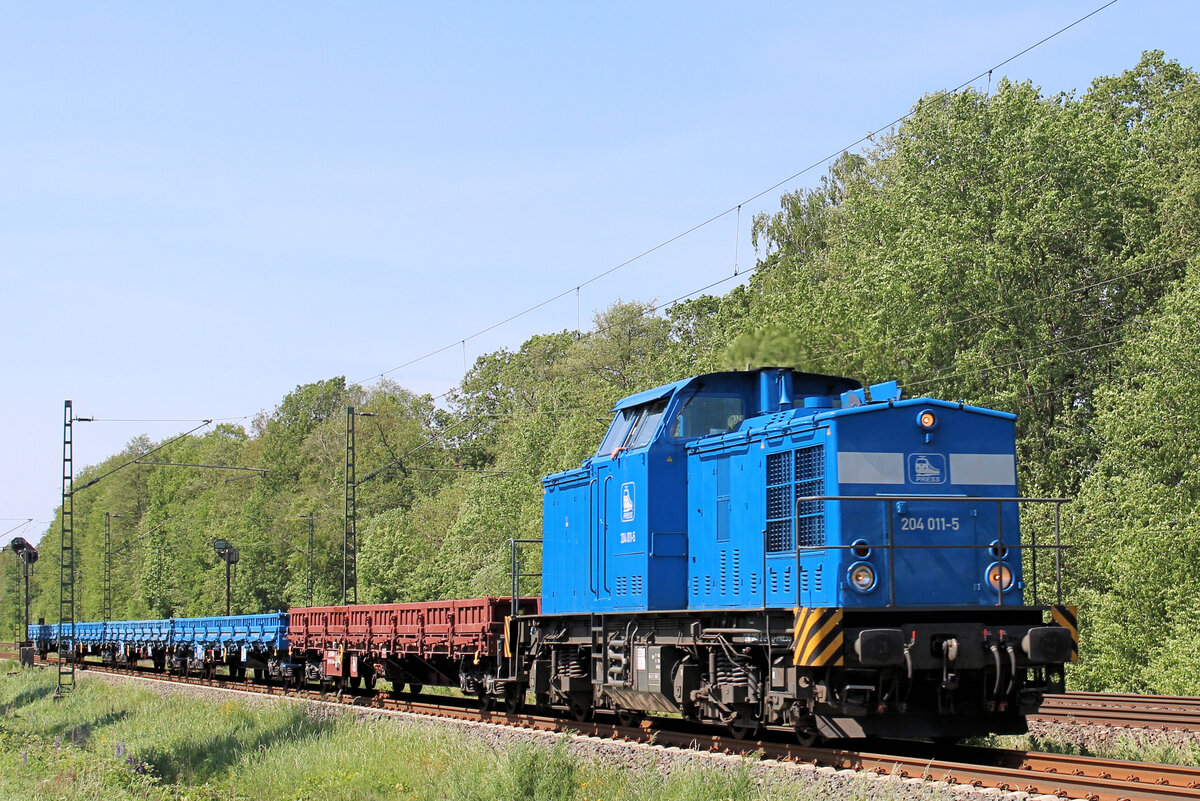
[{"x": 203, "y": 206}]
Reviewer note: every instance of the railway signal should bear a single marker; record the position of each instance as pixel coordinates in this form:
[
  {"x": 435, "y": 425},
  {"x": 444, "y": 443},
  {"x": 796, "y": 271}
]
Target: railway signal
[
  {"x": 230, "y": 556},
  {"x": 28, "y": 555}
]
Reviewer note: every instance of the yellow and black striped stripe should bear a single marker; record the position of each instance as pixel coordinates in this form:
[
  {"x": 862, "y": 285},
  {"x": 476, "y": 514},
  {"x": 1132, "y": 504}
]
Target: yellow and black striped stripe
[
  {"x": 1065, "y": 616},
  {"x": 818, "y": 638}
]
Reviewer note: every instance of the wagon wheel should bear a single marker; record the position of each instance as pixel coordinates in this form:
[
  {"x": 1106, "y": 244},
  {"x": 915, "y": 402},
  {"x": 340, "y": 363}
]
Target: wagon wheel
[
  {"x": 629, "y": 718},
  {"x": 744, "y": 730},
  {"x": 486, "y": 702},
  {"x": 580, "y": 711},
  {"x": 371, "y": 678},
  {"x": 415, "y": 689},
  {"x": 807, "y": 738},
  {"x": 354, "y": 681},
  {"x": 514, "y": 700}
]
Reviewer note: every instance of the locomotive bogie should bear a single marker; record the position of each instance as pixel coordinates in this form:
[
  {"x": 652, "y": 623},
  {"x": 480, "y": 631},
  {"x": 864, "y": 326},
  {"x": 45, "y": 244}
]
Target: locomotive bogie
[{"x": 946, "y": 672}]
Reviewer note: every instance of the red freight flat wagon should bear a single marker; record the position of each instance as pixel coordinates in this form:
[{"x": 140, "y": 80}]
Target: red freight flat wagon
[{"x": 455, "y": 629}]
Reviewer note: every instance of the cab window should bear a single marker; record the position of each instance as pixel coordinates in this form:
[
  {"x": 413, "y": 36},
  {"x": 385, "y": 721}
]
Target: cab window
[
  {"x": 704, "y": 415},
  {"x": 649, "y": 417},
  {"x": 617, "y": 432}
]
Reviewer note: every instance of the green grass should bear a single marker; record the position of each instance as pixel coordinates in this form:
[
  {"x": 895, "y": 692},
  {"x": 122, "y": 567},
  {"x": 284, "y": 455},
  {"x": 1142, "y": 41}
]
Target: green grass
[{"x": 122, "y": 741}]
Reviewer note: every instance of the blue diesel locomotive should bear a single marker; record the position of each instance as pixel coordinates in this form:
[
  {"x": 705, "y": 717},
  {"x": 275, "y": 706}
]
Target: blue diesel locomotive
[{"x": 774, "y": 548}]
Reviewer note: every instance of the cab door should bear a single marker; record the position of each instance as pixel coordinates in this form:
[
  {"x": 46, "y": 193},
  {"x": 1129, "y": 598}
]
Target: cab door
[{"x": 606, "y": 506}]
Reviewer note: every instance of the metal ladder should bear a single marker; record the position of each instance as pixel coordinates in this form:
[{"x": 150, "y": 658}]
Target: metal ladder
[{"x": 66, "y": 580}]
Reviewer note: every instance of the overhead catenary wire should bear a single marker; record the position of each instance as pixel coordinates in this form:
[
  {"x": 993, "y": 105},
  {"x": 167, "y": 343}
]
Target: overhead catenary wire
[
  {"x": 208, "y": 466},
  {"x": 25, "y": 521},
  {"x": 991, "y": 312},
  {"x": 738, "y": 272},
  {"x": 144, "y": 420},
  {"x": 657, "y": 307},
  {"x": 736, "y": 207},
  {"x": 142, "y": 456}
]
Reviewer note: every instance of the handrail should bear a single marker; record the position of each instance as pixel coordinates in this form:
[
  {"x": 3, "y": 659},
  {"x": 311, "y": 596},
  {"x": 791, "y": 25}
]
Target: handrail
[
  {"x": 516, "y": 574},
  {"x": 591, "y": 535},
  {"x": 604, "y": 545}
]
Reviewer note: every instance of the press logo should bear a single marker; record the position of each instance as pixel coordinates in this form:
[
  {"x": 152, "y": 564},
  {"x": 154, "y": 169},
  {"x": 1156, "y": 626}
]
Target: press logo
[
  {"x": 926, "y": 468},
  {"x": 627, "y": 502}
]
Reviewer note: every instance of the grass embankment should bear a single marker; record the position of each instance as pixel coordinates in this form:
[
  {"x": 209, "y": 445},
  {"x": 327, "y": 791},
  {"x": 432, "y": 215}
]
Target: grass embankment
[{"x": 117, "y": 741}]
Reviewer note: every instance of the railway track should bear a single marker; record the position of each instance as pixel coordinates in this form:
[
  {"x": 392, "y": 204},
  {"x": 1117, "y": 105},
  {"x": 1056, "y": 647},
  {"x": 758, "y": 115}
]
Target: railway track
[
  {"x": 1065, "y": 776},
  {"x": 1165, "y": 713}
]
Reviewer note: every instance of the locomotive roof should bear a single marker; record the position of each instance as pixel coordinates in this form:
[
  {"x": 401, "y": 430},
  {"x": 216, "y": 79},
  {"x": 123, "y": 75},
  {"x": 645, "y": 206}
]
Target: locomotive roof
[{"x": 837, "y": 384}]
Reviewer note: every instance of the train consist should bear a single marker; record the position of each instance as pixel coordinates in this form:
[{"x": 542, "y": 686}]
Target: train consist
[{"x": 761, "y": 549}]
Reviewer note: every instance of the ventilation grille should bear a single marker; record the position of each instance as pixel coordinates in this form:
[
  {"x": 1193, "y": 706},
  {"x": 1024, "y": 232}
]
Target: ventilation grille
[
  {"x": 792, "y": 475},
  {"x": 810, "y": 480},
  {"x": 779, "y": 502}
]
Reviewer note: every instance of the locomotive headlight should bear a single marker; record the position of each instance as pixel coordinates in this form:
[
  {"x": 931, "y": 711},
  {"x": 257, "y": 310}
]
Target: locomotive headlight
[
  {"x": 999, "y": 576},
  {"x": 862, "y": 577},
  {"x": 927, "y": 419}
]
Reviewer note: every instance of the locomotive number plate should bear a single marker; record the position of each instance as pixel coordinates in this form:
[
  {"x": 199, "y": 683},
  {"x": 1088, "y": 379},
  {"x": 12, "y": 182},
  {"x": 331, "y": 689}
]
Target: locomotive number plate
[{"x": 908, "y": 523}]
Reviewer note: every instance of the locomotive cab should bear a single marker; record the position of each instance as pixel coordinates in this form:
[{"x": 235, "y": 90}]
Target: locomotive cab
[{"x": 623, "y": 519}]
